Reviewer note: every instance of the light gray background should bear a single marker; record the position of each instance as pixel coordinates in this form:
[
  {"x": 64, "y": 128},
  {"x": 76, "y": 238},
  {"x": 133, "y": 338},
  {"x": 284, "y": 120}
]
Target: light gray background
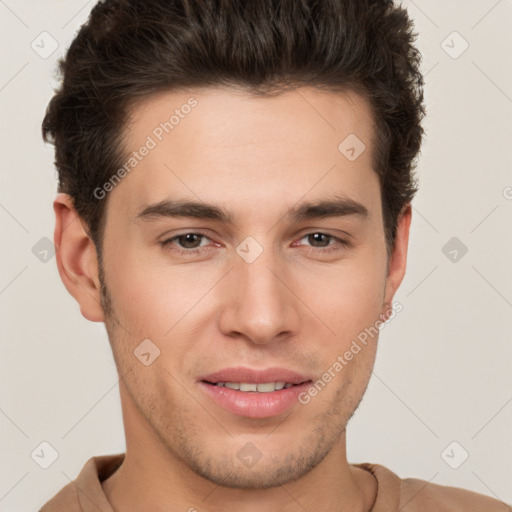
[{"x": 443, "y": 366}]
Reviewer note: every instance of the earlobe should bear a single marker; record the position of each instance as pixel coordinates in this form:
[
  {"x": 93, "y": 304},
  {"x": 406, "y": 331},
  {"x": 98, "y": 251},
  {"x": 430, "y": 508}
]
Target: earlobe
[
  {"x": 398, "y": 258},
  {"x": 76, "y": 258}
]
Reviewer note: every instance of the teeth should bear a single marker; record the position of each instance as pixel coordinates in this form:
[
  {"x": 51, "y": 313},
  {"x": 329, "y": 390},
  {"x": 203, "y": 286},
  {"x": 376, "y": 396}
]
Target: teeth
[
  {"x": 264, "y": 387},
  {"x": 248, "y": 387}
]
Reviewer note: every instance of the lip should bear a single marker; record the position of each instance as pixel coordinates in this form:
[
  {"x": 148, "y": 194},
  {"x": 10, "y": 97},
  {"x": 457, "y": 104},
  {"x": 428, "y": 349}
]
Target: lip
[
  {"x": 253, "y": 404},
  {"x": 244, "y": 374}
]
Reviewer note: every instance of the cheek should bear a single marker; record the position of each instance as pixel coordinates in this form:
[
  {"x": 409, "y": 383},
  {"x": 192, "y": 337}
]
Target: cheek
[
  {"x": 347, "y": 298},
  {"x": 151, "y": 296}
]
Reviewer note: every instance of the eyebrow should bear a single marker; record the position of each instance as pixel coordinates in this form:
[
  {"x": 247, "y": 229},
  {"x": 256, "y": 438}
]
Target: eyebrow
[{"x": 334, "y": 206}]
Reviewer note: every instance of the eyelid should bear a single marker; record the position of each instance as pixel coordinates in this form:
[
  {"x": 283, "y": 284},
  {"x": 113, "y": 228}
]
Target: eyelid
[
  {"x": 229, "y": 236},
  {"x": 326, "y": 231},
  {"x": 169, "y": 239},
  {"x": 339, "y": 245},
  {"x": 298, "y": 236}
]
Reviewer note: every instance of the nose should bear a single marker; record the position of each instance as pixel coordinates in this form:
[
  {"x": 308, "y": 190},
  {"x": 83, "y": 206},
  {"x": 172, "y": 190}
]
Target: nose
[{"x": 260, "y": 304}]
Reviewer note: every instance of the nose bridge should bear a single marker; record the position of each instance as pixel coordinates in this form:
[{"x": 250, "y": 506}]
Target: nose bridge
[{"x": 261, "y": 306}]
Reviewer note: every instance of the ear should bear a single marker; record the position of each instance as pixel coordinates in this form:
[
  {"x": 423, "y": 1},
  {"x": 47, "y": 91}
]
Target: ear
[
  {"x": 76, "y": 258},
  {"x": 398, "y": 258}
]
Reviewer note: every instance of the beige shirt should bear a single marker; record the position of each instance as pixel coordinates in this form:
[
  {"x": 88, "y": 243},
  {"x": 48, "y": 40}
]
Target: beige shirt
[{"x": 394, "y": 494}]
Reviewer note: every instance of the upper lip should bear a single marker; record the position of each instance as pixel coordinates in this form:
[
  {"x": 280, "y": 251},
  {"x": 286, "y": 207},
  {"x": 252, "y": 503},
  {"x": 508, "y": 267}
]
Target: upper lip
[{"x": 248, "y": 375}]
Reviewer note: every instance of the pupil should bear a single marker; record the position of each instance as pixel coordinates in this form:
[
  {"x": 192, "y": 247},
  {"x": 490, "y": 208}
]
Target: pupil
[
  {"x": 188, "y": 239},
  {"x": 316, "y": 236},
  {"x": 191, "y": 238}
]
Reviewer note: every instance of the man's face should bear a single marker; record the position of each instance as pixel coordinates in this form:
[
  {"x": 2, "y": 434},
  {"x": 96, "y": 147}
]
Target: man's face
[{"x": 264, "y": 291}]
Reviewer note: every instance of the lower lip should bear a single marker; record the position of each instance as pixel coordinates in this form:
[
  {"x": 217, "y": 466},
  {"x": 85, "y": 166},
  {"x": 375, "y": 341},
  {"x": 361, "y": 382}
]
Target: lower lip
[{"x": 253, "y": 404}]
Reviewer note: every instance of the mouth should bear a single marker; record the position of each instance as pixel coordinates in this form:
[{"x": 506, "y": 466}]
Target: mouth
[
  {"x": 247, "y": 377},
  {"x": 255, "y": 393},
  {"x": 254, "y": 400},
  {"x": 260, "y": 387}
]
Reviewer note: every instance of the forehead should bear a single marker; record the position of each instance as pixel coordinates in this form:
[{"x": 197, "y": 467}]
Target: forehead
[
  {"x": 233, "y": 115},
  {"x": 225, "y": 144}
]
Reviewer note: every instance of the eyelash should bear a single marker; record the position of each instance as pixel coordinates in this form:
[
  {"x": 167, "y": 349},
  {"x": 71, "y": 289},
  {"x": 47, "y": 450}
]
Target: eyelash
[{"x": 341, "y": 243}]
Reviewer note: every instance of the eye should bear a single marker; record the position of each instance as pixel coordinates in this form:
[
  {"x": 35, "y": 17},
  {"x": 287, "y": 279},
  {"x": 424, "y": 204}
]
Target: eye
[
  {"x": 323, "y": 240},
  {"x": 186, "y": 243},
  {"x": 191, "y": 243}
]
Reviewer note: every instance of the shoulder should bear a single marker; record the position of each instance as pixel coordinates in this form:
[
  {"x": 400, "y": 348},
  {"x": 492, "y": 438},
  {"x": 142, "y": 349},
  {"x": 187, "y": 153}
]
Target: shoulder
[
  {"x": 421, "y": 496},
  {"x": 417, "y": 495},
  {"x": 86, "y": 487},
  {"x": 65, "y": 499}
]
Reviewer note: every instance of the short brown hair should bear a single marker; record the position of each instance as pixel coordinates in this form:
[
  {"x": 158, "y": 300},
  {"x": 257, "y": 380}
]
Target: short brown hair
[{"x": 129, "y": 49}]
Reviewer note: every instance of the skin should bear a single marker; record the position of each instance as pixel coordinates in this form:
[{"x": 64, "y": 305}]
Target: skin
[{"x": 294, "y": 306}]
